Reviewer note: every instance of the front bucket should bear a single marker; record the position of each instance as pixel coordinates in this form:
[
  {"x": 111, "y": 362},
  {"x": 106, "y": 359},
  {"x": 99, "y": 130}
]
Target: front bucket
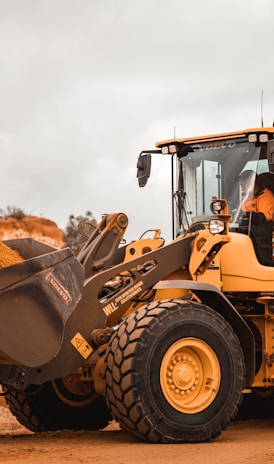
[{"x": 37, "y": 296}]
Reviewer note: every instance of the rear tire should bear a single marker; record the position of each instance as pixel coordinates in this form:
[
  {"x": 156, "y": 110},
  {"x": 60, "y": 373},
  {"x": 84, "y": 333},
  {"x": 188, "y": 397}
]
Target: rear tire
[
  {"x": 51, "y": 407},
  {"x": 174, "y": 373}
]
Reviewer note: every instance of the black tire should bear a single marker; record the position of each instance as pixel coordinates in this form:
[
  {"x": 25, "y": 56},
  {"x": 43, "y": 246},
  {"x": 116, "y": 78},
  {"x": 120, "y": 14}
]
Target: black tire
[
  {"x": 168, "y": 346},
  {"x": 47, "y": 407}
]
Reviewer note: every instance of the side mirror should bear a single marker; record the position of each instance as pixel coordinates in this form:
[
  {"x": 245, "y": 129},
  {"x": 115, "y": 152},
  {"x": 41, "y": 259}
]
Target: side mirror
[
  {"x": 143, "y": 168},
  {"x": 270, "y": 155}
]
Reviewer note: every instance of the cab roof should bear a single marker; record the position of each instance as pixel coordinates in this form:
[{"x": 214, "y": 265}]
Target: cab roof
[{"x": 213, "y": 137}]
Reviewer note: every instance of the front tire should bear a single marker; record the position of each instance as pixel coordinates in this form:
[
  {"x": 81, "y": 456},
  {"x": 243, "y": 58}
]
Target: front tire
[{"x": 174, "y": 373}]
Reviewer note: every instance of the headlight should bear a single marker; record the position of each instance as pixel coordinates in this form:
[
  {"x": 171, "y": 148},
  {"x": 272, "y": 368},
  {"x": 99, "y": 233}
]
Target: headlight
[
  {"x": 263, "y": 137},
  {"x": 252, "y": 138},
  {"x": 169, "y": 149},
  {"x": 217, "y": 206},
  {"x": 216, "y": 226},
  {"x": 172, "y": 149}
]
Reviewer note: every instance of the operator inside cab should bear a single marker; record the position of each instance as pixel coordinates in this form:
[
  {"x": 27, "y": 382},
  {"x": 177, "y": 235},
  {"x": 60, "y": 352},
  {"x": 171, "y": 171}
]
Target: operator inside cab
[{"x": 257, "y": 218}]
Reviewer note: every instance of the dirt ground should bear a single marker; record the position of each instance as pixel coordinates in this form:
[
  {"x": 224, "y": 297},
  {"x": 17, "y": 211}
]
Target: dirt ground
[{"x": 244, "y": 442}]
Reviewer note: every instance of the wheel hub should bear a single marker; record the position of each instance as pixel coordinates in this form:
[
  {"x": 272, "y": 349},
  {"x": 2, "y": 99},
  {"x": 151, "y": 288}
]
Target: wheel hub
[
  {"x": 182, "y": 375},
  {"x": 190, "y": 375},
  {"x": 73, "y": 391}
]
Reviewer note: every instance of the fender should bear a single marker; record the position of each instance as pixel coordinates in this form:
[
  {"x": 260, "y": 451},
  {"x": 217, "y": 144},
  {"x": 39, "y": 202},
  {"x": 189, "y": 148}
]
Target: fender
[{"x": 211, "y": 296}]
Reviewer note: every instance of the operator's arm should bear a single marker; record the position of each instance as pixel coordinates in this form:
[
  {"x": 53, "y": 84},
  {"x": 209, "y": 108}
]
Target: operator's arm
[
  {"x": 248, "y": 204},
  {"x": 265, "y": 204},
  {"x": 262, "y": 207}
]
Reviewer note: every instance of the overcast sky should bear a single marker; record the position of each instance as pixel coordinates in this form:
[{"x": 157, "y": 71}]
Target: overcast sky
[{"x": 85, "y": 85}]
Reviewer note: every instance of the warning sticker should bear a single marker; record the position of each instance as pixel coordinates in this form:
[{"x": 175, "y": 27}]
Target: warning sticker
[{"x": 81, "y": 345}]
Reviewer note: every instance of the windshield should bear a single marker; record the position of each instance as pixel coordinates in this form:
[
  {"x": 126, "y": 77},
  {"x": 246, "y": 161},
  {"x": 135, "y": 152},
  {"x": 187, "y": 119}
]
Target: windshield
[{"x": 211, "y": 170}]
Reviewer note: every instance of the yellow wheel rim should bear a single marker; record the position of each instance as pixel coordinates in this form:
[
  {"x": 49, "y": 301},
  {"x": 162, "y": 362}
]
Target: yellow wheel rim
[
  {"x": 190, "y": 375},
  {"x": 72, "y": 391}
]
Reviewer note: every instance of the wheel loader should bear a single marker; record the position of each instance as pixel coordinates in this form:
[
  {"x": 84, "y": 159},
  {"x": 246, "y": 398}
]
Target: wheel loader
[{"x": 164, "y": 338}]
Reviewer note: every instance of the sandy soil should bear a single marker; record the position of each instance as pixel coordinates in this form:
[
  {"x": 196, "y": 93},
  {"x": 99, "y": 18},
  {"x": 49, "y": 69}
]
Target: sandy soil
[{"x": 244, "y": 442}]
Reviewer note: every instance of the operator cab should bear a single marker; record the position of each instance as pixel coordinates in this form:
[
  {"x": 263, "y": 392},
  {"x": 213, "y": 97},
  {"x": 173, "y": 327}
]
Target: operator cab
[{"x": 208, "y": 167}]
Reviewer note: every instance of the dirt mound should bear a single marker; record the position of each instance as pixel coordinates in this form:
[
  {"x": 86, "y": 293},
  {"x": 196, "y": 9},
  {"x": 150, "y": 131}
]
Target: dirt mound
[
  {"x": 39, "y": 228},
  {"x": 8, "y": 256}
]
